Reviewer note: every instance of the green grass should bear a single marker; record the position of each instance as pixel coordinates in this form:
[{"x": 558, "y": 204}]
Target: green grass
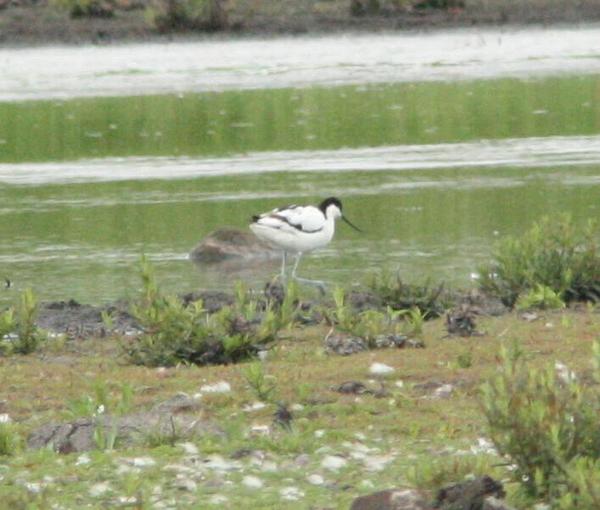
[{"x": 404, "y": 431}]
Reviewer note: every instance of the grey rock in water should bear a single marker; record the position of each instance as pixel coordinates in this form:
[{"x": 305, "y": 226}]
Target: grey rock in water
[{"x": 230, "y": 243}]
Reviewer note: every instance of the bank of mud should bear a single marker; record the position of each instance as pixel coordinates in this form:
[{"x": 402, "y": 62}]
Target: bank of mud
[{"x": 31, "y": 22}]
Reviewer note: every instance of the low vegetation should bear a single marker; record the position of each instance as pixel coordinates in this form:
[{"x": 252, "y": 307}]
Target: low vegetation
[
  {"x": 18, "y": 331},
  {"x": 429, "y": 299},
  {"x": 174, "y": 332},
  {"x": 553, "y": 256},
  {"x": 545, "y": 421}
]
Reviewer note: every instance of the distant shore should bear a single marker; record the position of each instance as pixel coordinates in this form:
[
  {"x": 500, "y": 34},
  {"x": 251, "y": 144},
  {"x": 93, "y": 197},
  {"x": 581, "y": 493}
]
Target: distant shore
[{"x": 31, "y": 22}]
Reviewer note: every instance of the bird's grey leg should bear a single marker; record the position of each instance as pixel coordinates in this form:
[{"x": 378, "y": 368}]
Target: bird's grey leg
[
  {"x": 317, "y": 283},
  {"x": 283, "y": 264}
]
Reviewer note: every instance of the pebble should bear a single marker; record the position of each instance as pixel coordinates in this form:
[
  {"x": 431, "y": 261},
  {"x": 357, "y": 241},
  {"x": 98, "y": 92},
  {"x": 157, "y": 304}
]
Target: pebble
[
  {"x": 315, "y": 479},
  {"x": 5, "y": 418},
  {"x": 219, "y": 387},
  {"x": 291, "y": 493},
  {"x": 218, "y": 499},
  {"x": 99, "y": 488},
  {"x": 189, "y": 448},
  {"x": 255, "y": 406},
  {"x": 143, "y": 462},
  {"x": 186, "y": 484},
  {"x": 252, "y": 482},
  {"x": 443, "y": 391},
  {"x": 83, "y": 459},
  {"x": 333, "y": 462},
  {"x": 381, "y": 369}
]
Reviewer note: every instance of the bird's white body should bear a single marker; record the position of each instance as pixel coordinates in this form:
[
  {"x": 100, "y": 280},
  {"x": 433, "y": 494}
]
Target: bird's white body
[{"x": 297, "y": 229}]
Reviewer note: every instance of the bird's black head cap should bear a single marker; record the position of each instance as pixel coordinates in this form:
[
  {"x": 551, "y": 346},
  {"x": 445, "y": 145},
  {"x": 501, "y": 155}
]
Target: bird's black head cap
[{"x": 330, "y": 201}]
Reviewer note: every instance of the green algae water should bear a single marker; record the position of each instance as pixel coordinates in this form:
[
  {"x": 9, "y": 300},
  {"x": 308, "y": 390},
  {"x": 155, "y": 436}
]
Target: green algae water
[{"x": 434, "y": 172}]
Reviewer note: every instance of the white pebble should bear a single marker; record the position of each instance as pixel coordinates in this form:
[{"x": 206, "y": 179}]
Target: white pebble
[
  {"x": 255, "y": 406},
  {"x": 99, "y": 488},
  {"x": 5, "y": 418},
  {"x": 252, "y": 482},
  {"x": 189, "y": 448},
  {"x": 381, "y": 369},
  {"x": 319, "y": 433},
  {"x": 219, "y": 387},
  {"x": 315, "y": 479},
  {"x": 291, "y": 493},
  {"x": 143, "y": 462},
  {"x": 333, "y": 462},
  {"x": 83, "y": 459},
  {"x": 218, "y": 499}
]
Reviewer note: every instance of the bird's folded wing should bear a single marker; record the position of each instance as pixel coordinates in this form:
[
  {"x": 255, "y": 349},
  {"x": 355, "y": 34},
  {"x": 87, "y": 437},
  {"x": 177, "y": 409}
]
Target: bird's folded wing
[{"x": 305, "y": 219}]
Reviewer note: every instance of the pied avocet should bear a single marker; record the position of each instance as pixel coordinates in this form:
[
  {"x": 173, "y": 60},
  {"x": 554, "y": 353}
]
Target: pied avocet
[{"x": 299, "y": 229}]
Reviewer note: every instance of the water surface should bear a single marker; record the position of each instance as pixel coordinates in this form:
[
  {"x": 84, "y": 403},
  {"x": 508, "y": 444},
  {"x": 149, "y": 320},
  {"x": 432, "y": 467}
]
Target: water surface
[{"x": 433, "y": 170}]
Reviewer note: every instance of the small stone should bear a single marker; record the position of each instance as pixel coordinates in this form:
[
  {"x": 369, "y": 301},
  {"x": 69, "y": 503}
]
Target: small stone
[
  {"x": 189, "y": 448},
  {"x": 408, "y": 499},
  {"x": 333, "y": 462},
  {"x": 186, "y": 484},
  {"x": 218, "y": 499},
  {"x": 5, "y": 418},
  {"x": 82, "y": 460},
  {"x": 219, "y": 387},
  {"x": 381, "y": 369},
  {"x": 443, "y": 391},
  {"x": 252, "y": 482},
  {"x": 315, "y": 479},
  {"x": 143, "y": 462},
  {"x": 319, "y": 433},
  {"x": 255, "y": 406},
  {"x": 98, "y": 489},
  {"x": 291, "y": 493}
]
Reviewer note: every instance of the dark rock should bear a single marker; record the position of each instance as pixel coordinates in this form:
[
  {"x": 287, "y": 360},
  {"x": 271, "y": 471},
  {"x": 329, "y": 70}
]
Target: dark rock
[
  {"x": 212, "y": 300},
  {"x": 469, "y": 495},
  {"x": 351, "y": 387},
  {"x": 407, "y": 499},
  {"x": 344, "y": 345},
  {"x": 461, "y": 321},
  {"x": 228, "y": 243},
  {"x": 283, "y": 416},
  {"x": 275, "y": 293},
  {"x": 169, "y": 418},
  {"x": 363, "y": 300}
]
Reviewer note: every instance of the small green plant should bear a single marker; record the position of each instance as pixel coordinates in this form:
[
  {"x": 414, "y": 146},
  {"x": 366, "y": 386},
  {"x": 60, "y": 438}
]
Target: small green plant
[
  {"x": 10, "y": 439},
  {"x": 264, "y": 386},
  {"x": 367, "y": 324},
  {"x": 465, "y": 359},
  {"x": 553, "y": 254},
  {"x": 174, "y": 332},
  {"x": 399, "y": 295},
  {"x": 103, "y": 401},
  {"x": 415, "y": 320},
  {"x": 18, "y": 332},
  {"x": 543, "y": 422},
  {"x": 541, "y": 297}
]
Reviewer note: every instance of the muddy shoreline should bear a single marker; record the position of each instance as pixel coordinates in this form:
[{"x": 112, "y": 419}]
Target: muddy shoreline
[{"x": 23, "y": 24}]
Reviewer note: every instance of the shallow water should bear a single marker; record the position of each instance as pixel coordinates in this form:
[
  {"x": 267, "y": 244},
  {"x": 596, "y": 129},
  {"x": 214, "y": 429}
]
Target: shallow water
[{"x": 434, "y": 170}]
